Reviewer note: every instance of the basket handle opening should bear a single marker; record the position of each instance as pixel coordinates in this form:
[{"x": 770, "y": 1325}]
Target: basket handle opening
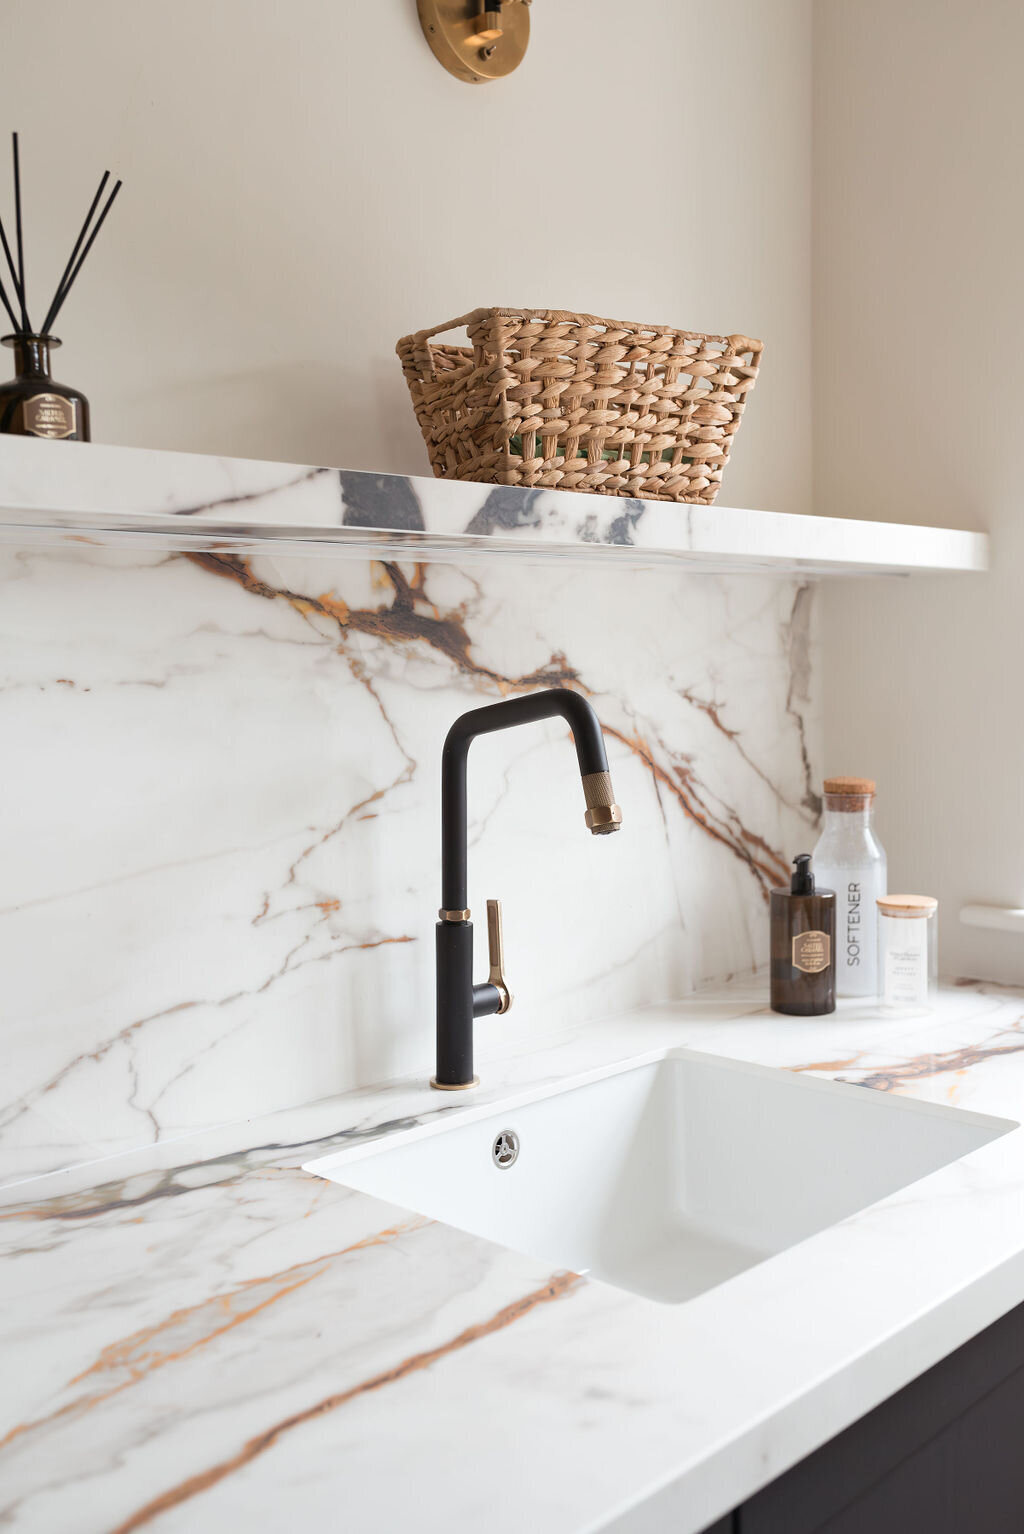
[{"x": 420, "y": 341}]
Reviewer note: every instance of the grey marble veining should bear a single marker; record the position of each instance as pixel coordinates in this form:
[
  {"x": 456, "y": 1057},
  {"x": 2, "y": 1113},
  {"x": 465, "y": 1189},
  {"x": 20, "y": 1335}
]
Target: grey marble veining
[{"x": 114, "y": 496}]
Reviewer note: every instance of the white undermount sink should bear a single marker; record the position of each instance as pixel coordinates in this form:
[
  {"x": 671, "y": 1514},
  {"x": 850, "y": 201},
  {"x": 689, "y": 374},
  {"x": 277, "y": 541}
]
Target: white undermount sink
[{"x": 665, "y": 1178}]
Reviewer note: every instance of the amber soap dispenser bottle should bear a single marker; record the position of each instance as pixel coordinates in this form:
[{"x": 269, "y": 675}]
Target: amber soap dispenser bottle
[{"x": 803, "y": 940}]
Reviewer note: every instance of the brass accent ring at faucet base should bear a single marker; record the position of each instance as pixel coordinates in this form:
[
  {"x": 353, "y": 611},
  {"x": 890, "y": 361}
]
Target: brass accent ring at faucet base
[
  {"x": 453, "y": 916},
  {"x": 603, "y": 818},
  {"x": 454, "y": 1086}
]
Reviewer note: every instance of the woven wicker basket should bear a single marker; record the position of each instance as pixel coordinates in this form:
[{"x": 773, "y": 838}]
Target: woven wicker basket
[{"x": 570, "y": 402}]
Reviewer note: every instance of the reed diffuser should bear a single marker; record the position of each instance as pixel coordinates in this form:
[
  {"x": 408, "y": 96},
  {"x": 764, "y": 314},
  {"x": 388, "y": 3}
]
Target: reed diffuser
[{"x": 34, "y": 404}]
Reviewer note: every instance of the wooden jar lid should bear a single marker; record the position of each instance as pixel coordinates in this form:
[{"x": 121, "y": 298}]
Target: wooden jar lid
[
  {"x": 907, "y": 905},
  {"x": 860, "y": 786}
]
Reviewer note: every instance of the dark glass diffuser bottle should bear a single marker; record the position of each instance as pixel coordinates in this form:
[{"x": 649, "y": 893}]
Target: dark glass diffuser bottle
[
  {"x": 803, "y": 933},
  {"x": 33, "y": 404}
]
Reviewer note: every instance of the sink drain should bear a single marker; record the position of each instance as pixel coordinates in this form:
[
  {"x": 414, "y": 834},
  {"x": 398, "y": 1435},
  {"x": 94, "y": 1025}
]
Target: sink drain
[{"x": 505, "y": 1148}]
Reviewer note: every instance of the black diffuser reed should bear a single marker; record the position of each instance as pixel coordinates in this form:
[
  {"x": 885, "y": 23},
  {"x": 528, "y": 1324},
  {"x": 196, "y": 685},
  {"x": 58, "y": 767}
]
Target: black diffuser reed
[{"x": 34, "y": 405}]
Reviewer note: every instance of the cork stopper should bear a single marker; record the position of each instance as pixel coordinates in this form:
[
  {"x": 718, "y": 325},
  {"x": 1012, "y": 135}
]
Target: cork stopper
[
  {"x": 863, "y": 786},
  {"x": 908, "y": 905},
  {"x": 849, "y": 795}
]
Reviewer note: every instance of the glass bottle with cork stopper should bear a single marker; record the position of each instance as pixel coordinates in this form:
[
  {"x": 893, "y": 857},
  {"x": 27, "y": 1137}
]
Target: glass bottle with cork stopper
[{"x": 850, "y": 859}]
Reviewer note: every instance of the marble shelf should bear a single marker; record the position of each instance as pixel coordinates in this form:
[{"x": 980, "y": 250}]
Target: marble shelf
[{"x": 70, "y": 492}]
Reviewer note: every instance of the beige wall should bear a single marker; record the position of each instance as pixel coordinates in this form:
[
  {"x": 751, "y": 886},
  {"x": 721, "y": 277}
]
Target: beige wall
[
  {"x": 304, "y": 184},
  {"x": 919, "y": 391}
]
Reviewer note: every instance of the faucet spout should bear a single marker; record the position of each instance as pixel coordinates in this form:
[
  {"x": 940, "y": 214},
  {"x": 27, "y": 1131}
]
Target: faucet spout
[{"x": 458, "y": 1000}]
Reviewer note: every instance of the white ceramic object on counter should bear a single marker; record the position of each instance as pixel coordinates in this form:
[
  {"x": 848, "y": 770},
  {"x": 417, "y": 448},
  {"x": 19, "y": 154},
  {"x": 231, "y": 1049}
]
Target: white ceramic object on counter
[{"x": 669, "y": 1178}]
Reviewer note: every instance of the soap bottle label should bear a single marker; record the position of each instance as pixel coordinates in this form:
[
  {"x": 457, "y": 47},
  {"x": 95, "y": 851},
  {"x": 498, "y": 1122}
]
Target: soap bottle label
[{"x": 812, "y": 952}]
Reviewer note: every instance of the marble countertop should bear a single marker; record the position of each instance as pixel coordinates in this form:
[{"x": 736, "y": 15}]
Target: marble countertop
[{"x": 204, "y": 1336}]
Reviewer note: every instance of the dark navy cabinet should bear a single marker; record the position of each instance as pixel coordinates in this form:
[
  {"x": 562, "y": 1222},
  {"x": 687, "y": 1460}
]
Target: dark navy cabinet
[{"x": 945, "y": 1455}]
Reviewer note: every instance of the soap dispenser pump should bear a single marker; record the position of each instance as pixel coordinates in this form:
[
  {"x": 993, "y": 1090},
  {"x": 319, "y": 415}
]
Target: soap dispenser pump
[{"x": 803, "y": 931}]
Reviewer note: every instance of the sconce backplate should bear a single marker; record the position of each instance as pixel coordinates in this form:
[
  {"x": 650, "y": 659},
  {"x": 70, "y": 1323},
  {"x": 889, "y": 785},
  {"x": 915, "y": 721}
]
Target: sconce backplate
[{"x": 452, "y": 29}]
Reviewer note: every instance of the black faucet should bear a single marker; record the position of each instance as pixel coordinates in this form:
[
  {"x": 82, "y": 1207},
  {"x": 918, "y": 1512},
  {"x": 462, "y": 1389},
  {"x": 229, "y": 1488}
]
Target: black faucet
[{"x": 459, "y": 1001}]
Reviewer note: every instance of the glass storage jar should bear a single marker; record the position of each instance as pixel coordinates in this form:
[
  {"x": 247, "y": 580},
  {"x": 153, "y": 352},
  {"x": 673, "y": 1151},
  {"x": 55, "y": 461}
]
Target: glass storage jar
[{"x": 908, "y": 954}]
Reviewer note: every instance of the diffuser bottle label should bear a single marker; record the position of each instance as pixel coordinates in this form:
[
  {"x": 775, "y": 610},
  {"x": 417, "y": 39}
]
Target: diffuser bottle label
[
  {"x": 812, "y": 952},
  {"x": 50, "y": 415}
]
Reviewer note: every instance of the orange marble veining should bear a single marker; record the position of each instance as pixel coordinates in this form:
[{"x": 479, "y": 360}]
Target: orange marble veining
[
  {"x": 411, "y": 617},
  {"x": 134, "y": 1358},
  {"x": 828, "y": 1067},
  {"x": 558, "y": 1285},
  {"x": 893, "y": 1078}
]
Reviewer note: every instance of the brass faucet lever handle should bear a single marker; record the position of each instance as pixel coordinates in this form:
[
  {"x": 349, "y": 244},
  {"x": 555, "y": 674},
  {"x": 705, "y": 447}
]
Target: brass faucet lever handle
[{"x": 496, "y": 955}]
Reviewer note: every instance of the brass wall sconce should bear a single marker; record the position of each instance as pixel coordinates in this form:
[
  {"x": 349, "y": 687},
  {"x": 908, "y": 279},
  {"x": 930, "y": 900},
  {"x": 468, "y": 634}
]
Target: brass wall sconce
[{"x": 476, "y": 40}]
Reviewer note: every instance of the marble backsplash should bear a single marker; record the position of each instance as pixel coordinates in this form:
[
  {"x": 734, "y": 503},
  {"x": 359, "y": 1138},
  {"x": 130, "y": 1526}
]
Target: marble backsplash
[{"x": 220, "y": 869}]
